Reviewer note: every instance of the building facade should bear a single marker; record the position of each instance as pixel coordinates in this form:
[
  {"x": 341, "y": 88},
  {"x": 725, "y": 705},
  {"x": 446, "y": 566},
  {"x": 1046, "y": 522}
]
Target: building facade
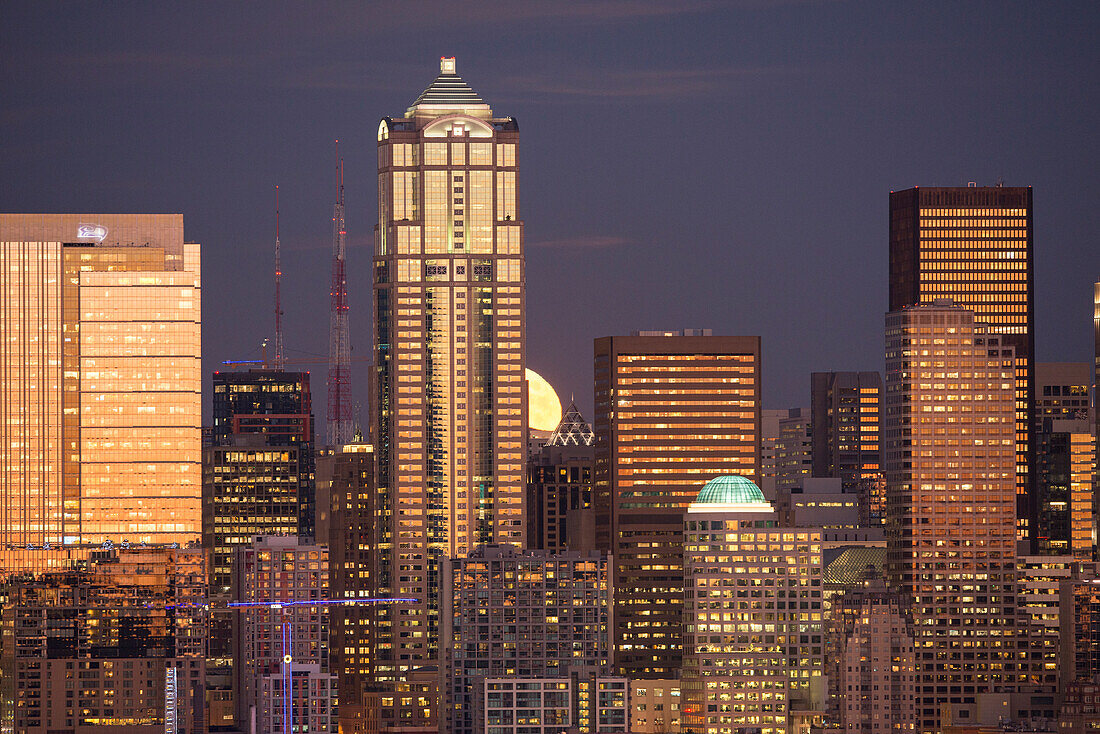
[
  {"x": 975, "y": 245},
  {"x": 100, "y": 384},
  {"x": 560, "y": 511},
  {"x": 672, "y": 411},
  {"x": 584, "y": 703},
  {"x": 847, "y": 436},
  {"x": 785, "y": 449},
  {"x": 753, "y": 636},
  {"x": 449, "y": 403},
  {"x": 522, "y": 614},
  {"x": 280, "y": 631},
  {"x": 950, "y": 444},
  {"x": 114, "y": 643}
]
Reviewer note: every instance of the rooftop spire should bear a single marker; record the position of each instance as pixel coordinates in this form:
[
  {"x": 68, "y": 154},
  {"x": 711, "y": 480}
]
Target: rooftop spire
[{"x": 448, "y": 94}]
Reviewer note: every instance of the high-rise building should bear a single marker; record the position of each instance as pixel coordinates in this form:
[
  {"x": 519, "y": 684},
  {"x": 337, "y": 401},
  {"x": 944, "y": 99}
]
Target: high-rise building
[
  {"x": 847, "y": 436},
  {"x": 1062, "y": 391},
  {"x": 871, "y": 660},
  {"x": 560, "y": 513},
  {"x": 522, "y": 614},
  {"x": 449, "y": 403},
  {"x": 974, "y": 245},
  {"x": 950, "y": 442},
  {"x": 672, "y": 411},
  {"x": 753, "y": 637},
  {"x": 281, "y": 660},
  {"x": 100, "y": 384},
  {"x": 785, "y": 449},
  {"x": 1065, "y": 460},
  {"x": 115, "y": 642},
  {"x": 1039, "y": 611}
]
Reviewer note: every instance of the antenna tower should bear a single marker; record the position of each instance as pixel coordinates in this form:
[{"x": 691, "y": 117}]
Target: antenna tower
[
  {"x": 340, "y": 426},
  {"x": 280, "y": 359}
]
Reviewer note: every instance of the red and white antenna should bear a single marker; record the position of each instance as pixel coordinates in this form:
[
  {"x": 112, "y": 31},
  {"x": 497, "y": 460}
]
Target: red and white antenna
[
  {"x": 280, "y": 359},
  {"x": 340, "y": 425}
]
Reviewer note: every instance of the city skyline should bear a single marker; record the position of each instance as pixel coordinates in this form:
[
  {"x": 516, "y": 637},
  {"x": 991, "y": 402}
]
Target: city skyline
[{"x": 794, "y": 75}]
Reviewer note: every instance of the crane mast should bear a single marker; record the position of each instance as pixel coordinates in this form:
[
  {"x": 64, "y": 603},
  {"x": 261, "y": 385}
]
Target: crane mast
[{"x": 339, "y": 352}]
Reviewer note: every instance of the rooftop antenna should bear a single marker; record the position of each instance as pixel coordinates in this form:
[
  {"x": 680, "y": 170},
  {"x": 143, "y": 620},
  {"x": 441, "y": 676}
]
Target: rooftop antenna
[
  {"x": 340, "y": 426},
  {"x": 280, "y": 362}
]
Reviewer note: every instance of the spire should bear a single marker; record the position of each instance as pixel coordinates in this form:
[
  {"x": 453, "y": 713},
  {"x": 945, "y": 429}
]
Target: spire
[{"x": 573, "y": 430}]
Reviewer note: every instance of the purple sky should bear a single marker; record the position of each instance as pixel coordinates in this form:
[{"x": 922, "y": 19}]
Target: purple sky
[{"x": 691, "y": 164}]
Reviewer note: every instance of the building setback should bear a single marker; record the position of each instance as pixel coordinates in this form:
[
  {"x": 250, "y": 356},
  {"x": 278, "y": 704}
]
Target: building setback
[
  {"x": 672, "y": 410},
  {"x": 950, "y": 503},
  {"x": 100, "y": 384},
  {"x": 449, "y": 402}
]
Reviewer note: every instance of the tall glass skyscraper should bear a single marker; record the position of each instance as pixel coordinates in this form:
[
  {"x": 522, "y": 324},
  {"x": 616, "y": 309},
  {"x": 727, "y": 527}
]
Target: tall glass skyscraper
[
  {"x": 100, "y": 383},
  {"x": 449, "y": 398}
]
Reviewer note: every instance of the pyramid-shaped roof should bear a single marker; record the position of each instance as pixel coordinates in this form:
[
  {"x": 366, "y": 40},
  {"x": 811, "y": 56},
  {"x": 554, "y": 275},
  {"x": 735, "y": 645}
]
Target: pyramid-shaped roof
[
  {"x": 448, "y": 90},
  {"x": 572, "y": 430}
]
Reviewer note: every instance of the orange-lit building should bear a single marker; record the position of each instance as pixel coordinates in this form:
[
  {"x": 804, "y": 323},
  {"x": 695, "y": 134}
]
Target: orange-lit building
[
  {"x": 673, "y": 410},
  {"x": 975, "y": 245},
  {"x": 100, "y": 384}
]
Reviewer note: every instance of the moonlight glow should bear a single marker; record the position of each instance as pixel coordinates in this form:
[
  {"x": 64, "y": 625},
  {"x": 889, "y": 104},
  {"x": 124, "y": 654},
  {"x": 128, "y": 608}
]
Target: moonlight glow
[{"x": 543, "y": 406}]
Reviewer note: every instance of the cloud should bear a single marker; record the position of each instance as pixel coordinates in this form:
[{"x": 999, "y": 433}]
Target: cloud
[{"x": 584, "y": 241}]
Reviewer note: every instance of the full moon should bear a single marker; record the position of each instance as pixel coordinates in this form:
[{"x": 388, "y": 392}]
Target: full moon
[{"x": 543, "y": 406}]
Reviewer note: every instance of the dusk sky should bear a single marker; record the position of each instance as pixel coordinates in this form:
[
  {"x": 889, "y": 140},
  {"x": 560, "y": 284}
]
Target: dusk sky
[{"x": 683, "y": 164}]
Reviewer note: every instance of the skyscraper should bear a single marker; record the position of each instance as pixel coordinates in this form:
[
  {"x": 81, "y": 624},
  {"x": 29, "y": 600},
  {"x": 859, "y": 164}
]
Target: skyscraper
[
  {"x": 449, "y": 403},
  {"x": 785, "y": 449},
  {"x": 672, "y": 411},
  {"x": 974, "y": 245},
  {"x": 950, "y": 501},
  {"x": 100, "y": 383},
  {"x": 753, "y": 637}
]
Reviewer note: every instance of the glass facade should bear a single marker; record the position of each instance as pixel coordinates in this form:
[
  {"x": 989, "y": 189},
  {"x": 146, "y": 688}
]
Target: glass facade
[
  {"x": 450, "y": 395},
  {"x": 101, "y": 384}
]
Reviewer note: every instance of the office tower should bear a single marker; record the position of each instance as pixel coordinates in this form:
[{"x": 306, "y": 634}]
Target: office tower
[
  {"x": 522, "y": 614},
  {"x": 974, "y": 245},
  {"x": 1040, "y": 580},
  {"x": 258, "y": 479},
  {"x": 560, "y": 512},
  {"x": 278, "y": 407},
  {"x": 1062, "y": 391},
  {"x": 1079, "y": 607},
  {"x": 587, "y": 704},
  {"x": 819, "y": 503},
  {"x": 114, "y": 642},
  {"x": 753, "y": 638},
  {"x": 360, "y": 634},
  {"x": 785, "y": 449},
  {"x": 847, "y": 441},
  {"x": 449, "y": 408},
  {"x": 950, "y": 445},
  {"x": 100, "y": 384},
  {"x": 871, "y": 660},
  {"x": 281, "y": 635},
  {"x": 1065, "y": 460},
  {"x": 672, "y": 411}
]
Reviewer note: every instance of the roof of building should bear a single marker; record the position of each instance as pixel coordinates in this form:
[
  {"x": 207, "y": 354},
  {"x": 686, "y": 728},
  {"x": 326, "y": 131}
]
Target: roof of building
[
  {"x": 851, "y": 565},
  {"x": 572, "y": 430},
  {"x": 448, "y": 90},
  {"x": 731, "y": 489}
]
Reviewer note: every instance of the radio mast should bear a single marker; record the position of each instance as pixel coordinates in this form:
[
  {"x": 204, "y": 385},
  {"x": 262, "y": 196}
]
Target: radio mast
[{"x": 339, "y": 350}]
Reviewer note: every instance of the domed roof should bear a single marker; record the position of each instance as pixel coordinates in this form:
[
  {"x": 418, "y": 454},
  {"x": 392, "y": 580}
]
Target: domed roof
[{"x": 731, "y": 489}]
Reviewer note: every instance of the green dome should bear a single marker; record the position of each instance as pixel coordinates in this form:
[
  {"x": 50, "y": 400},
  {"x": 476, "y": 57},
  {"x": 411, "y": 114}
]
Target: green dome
[{"x": 731, "y": 489}]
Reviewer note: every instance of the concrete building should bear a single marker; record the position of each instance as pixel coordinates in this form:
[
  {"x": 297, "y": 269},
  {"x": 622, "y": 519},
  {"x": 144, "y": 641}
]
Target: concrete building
[
  {"x": 1039, "y": 625},
  {"x": 974, "y": 245},
  {"x": 583, "y": 703},
  {"x": 655, "y": 706},
  {"x": 872, "y": 662},
  {"x": 950, "y": 469},
  {"x": 785, "y": 449},
  {"x": 100, "y": 408},
  {"x": 115, "y": 643},
  {"x": 449, "y": 407},
  {"x": 281, "y": 633},
  {"x": 522, "y": 614},
  {"x": 753, "y": 636},
  {"x": 672, "y": 411},
  {"x": 847, "y": 437}
]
